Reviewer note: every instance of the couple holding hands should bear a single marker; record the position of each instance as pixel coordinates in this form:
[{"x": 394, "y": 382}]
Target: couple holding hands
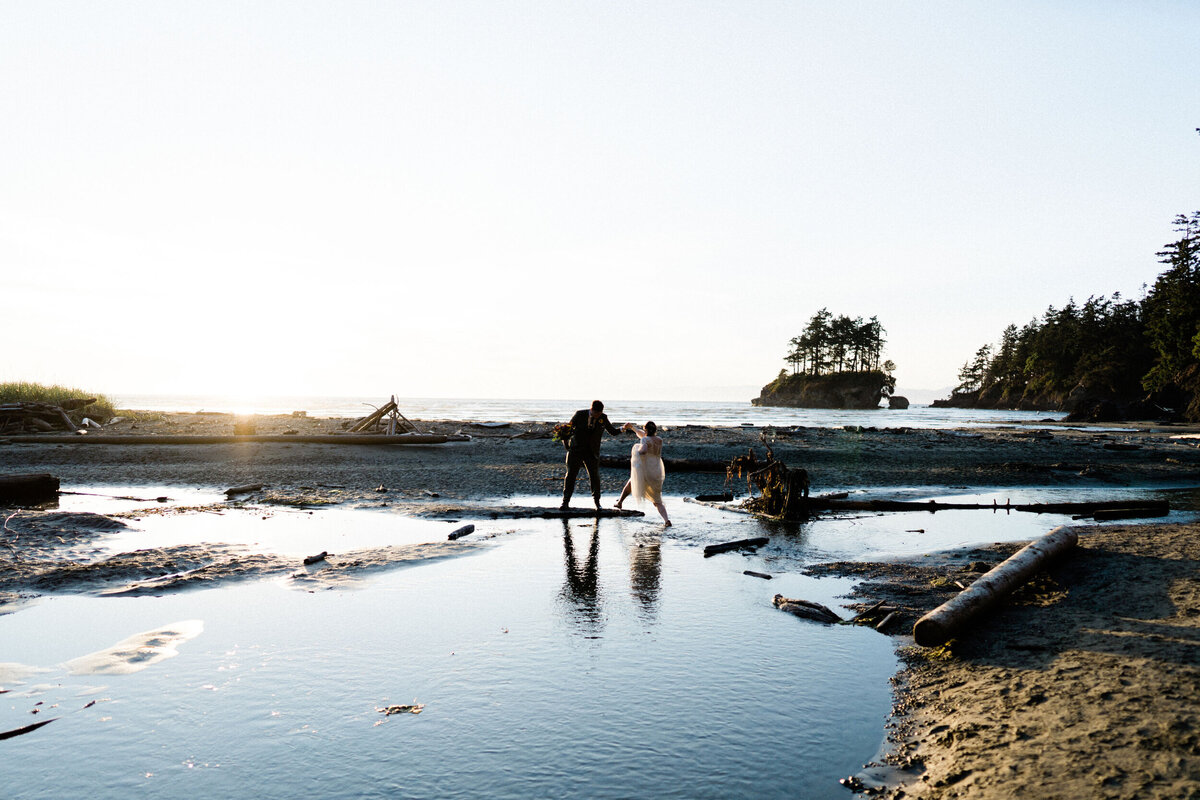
[{"x": 646, "y": 470}]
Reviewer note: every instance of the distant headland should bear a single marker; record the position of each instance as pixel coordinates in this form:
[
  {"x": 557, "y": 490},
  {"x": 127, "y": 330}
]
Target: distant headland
[{"x": 1105, "y": 360}]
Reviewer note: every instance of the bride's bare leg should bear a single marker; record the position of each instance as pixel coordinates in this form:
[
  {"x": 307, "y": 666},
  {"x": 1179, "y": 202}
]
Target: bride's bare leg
[
  {"x": 662, "y": 510},
  {"x": 625, "y": 492}
]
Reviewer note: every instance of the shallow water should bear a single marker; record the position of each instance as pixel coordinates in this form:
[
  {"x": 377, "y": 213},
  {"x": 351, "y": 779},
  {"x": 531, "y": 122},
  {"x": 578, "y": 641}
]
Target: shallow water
[
  {"x": 565, "y": 660},
  {"x": 576, "y": 661}
]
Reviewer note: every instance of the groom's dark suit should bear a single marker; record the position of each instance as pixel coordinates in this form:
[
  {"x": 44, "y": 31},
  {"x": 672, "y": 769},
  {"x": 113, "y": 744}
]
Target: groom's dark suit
[{"x": 584, "y": 450}]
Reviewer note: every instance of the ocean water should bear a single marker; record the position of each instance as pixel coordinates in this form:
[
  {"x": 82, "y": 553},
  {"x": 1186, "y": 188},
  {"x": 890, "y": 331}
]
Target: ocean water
[{"x": 663, "y": 412}]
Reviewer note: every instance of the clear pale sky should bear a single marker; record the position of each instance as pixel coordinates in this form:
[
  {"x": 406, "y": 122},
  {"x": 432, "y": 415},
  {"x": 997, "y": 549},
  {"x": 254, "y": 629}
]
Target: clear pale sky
[{"x": 564, "y": 199}]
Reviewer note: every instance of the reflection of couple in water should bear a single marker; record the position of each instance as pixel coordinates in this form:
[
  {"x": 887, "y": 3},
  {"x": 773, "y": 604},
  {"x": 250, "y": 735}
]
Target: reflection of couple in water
[{"x": 646, "y": 471}]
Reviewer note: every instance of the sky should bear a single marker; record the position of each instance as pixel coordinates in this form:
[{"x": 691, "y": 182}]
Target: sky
[{"x": 634, "y": 200}]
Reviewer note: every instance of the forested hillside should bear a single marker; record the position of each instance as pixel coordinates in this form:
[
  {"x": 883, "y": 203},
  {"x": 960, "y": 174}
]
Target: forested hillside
[{"x": 1107, "y": 358}]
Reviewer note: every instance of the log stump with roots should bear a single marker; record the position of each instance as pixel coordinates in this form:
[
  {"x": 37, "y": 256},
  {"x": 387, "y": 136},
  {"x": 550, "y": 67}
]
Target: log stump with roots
[{"x": 783, "y": 492}]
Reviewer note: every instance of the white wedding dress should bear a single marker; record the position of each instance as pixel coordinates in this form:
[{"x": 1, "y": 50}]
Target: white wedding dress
[{"x": 646, "y": 470}]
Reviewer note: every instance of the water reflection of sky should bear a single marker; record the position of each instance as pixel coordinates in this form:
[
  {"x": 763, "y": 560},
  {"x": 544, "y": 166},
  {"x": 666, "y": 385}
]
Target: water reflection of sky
[
  {"x": 575, "y": 659},
  {"x": 567, "y": 658}
]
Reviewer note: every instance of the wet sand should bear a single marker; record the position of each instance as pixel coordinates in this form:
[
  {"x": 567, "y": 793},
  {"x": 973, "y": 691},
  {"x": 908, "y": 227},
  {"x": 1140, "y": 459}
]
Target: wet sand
[{"x": 1082, "y": 687}]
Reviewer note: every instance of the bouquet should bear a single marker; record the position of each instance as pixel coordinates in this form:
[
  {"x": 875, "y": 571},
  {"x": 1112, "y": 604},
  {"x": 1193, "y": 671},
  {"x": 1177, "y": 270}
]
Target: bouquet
[{"x": 562, "y": 433}]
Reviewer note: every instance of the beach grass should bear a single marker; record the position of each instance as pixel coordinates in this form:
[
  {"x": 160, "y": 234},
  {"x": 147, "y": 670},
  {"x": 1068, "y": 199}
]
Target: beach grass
[{"x": 28, "y": 392}]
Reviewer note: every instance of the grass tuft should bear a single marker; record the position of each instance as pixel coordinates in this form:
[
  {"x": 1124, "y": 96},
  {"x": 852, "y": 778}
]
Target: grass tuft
[{"x": 27, "y": 392}]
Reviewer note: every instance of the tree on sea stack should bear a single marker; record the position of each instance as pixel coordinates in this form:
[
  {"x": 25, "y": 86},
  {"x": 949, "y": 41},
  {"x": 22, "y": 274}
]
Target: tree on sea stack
[{"x": 836, "y": 362}]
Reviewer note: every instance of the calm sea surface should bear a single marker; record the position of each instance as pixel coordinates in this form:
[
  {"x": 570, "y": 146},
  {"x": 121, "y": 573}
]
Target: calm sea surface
[{"x": 664, "y": 412}]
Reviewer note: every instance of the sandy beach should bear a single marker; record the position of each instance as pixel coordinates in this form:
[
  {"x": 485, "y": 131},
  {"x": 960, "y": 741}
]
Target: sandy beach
[{"x": 1082, "y": 686}]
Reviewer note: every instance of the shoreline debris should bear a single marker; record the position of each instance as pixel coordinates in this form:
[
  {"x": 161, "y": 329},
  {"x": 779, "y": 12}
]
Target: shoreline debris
[
  {"x": 34, "y": 487},
  {"x": 713, "y": 549},
  {"x": 941, "y": 624},
  {"x": 806, "y": 609},
  {"x": 458, "y": 533},
  {"x": 783, "y": 492}
]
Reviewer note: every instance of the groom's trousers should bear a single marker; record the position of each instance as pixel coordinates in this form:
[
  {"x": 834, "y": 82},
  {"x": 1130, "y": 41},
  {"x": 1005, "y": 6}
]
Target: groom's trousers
[{"x": 591, "y": 463}]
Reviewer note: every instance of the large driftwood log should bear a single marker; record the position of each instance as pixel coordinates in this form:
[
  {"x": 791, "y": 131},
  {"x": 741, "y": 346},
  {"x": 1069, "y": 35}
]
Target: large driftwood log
[
  {"x": 28, "y": 488},
  {"x": 1085, "y": 508},
  {"x": 941, "y": 624}
]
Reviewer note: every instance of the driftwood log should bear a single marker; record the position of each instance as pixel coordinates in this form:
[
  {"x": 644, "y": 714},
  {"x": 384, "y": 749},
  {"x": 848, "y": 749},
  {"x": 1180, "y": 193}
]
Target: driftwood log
[
  {"x": 17, "y": 417},
  {"x": 458, "y": 533},
  {"x": 941, "y": 624},
  {"x": 713, "y": 549},
  {"x": 1146, "y": 507},
  {"x": 389, "y": 411},
  {"x": 806, "y": 609},
  {"x": 783, "y": 492},
  {"x": 28, "y": 488}
]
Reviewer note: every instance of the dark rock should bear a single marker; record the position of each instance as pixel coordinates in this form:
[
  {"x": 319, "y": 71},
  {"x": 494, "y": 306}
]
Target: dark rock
[{"x": 857, "y": 390}]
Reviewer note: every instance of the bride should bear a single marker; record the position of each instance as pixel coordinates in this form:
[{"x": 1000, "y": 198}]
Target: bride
[{"x": 646, "y": 470}]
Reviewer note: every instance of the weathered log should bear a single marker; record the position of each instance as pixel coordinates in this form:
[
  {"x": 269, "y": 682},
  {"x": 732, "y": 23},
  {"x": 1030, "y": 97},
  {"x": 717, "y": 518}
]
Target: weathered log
[
  {"x": 713, "y": 549},
  {"x": 458, "y": 533},
  {"x": 714, "y": 504},
  {"x": 932, "y": 505},
  {"x": 321, "y": 556},
  {"x": 883, "y": 623},
  {"x": 941, "y": 624},
  {"x": 233, "y": 491},
  {"x": 68, "y": 423},
  {"x": 24, "y": 729},
  {"x": 28, "y": 488},
  {"x": 754, "y": 574},
  {"x": 722, "y": 497},
  {"x": 373, "y": 417},
  {"x": 866, "y": 612},
  {"x": 806, "y": 609}
]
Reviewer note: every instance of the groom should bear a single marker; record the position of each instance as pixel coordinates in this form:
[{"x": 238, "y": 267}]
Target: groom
[{"x": 587, "y": 428}]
